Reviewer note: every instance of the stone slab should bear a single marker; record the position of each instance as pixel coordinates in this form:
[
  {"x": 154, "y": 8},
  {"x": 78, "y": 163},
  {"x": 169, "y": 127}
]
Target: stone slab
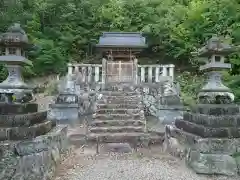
[
  {"x": 216, "y": 109},
  {"x": 225, "y": 132},
  {"x": 7, "y": 148},
  {"x": 21, "y": 133},
  {"x": 219, "y": 146},
  {"x": 135, "y": 139},
  {"x": 182, "y": 136},
  {"x": 7, "y": 109},
  {"x": 37, "y": 166},
  {"x": 64, "y": 115},
  {"x": 118, "y": 110},
  {"x": 22, "y": 119},
  {"x": 117, "y": 147},
  {"x": 218, "y": 164},
  {"x": 55, "y": 138},
  {"x": 117, "y": 116},
  {"x": 212, "y": 121}
]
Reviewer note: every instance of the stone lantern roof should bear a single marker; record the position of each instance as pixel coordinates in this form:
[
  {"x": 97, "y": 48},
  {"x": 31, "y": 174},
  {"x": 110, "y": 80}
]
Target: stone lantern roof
[
  {"x": 215, "y": 46},
  {"x": 15, "y": 36}
]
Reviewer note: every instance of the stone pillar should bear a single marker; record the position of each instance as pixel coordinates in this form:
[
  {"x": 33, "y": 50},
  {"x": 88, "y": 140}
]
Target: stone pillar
[
  {"x": 89, "y": 74},
  {"x": 70, "y": 68},
  {"x": 96, "y": 78},
  {"x": 6, "y": 51},
  {"x": 104, "y": 61},
  {"x": 14, "y": 75},
  {"x": 135, "y": 71},
  {"x": 171, "y": 70},
  {"x": 157, "y": 74},
  {"x": 164, "y": 70},
  {"x": 18, "y": 52},
  {"x": 150, "y": 74},
  {"x": 83, "y": 69},
  {"x": 76, "y": 69},
  {"x": 142, "y": 74}
]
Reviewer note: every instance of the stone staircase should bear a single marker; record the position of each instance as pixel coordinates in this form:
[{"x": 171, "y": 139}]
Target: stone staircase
[{"x": 119, "y": 118}]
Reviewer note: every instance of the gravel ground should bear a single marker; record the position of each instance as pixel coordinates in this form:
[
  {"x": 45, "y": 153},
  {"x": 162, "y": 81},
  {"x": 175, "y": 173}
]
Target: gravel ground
[{"x": 135, "y": 166}]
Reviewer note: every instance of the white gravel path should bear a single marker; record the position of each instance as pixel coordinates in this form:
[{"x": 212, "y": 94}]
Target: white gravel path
[{"x": 127, "y": 167}]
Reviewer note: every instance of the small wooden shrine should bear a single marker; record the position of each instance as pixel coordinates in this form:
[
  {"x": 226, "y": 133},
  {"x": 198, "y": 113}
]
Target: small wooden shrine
[{"x": 119, "y": 51}]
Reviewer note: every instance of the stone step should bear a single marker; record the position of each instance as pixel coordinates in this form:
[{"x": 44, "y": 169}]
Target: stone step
[
  {"x": 134, "y": 137},
  {"x": 106, "y": 123},
  {"x": 156, "y": 140},
  {"x": 118, "y": 93},
  {"x": 114, "y": 116},
  {"x": 118, "y": 111},
  {"x": 116, "y": 129},
  {"x": 119, "y": 101},
  {"x": 124, "y": 105},
  {"x": 121, "y": 97},
  {"x": 77, "y": 139}
]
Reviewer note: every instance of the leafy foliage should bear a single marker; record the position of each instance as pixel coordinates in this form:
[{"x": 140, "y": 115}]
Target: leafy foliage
[{"x": 62, "y": 30}]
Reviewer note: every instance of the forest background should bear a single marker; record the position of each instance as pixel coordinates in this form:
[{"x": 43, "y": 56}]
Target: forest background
[{"x": 64, "y": 30}]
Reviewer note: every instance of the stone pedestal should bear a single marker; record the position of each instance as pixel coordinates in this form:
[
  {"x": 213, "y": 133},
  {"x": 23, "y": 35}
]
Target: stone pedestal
[
  {"x": 65, "y": 110},
  {"x": 30, "y": 145},
  {"x": 209, "y": 138}
]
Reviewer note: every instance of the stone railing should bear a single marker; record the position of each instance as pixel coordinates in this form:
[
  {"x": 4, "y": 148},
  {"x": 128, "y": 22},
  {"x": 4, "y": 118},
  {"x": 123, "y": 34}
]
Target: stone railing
[{"x": 146, "y": 73}]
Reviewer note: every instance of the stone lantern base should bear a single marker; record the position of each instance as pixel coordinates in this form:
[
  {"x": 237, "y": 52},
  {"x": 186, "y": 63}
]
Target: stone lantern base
[{"x": 208, "y": 138}]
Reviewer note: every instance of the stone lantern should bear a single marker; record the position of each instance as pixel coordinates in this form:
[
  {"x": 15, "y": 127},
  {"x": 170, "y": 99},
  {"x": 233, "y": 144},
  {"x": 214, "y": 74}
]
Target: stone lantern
[
  {"x": 214, "y": 53},
  {"x": 13, "y": 44}
]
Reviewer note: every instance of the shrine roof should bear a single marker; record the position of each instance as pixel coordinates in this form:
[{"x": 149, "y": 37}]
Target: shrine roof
[{"x": 122, "y": 40}]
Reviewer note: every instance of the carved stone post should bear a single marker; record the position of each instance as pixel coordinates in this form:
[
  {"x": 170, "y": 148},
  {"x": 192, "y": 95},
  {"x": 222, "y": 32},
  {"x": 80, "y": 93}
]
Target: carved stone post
[
  {"x": 70, "y": 68},
  {"x": 135, "y": 71},
  {"x": 104, "y": 63}
]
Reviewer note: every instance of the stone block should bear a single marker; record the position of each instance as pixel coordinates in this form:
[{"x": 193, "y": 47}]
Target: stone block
[
  {"x": 219, "y": 146},
  {"x": 174, "y": 147},
  {"x": 8, "y": 166},
  {"x": 7, "y": 109},
  {"x": 216, "y": 109},
  {"x": 218, "y": 164},
  {"x": 22, "y": 119},
  {"x": 117, "y": 147},
  {"x": 7, "y": 149},
  {"x": 225, "y": 132},
  {"x": 37, "y": 166},
  {"x": 237, "y": 158},
  {"x": 64, "y": 114},
  {"x": 212, "y": 121},
  {"x": 182, "y": 136},
  {"x": 32, "y": 164},
  {"x": 20, "y": 133},
  {"x": 4, "y": 133},
  {"x": 55, "y": 138}
]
